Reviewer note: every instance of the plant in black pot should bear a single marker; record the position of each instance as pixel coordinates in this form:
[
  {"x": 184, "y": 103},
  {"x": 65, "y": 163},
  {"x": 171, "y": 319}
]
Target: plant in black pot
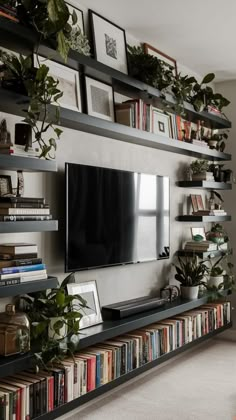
[
  {"x": 191, "y": 274},
  {"x": 203, "y": 95}
]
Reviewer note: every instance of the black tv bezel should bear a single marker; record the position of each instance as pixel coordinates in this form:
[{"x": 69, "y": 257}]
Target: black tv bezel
[{"x": 66, "y": 268}]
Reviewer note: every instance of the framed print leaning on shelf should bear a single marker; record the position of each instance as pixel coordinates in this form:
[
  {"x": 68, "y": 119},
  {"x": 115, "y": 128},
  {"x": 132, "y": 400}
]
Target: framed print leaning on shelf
[
  {"x": 109, "y": 42},
  {"x": 79, "y": 14},
  {"x": 161, "y": 123},
  {"x": 194, "y": 202},
  {"x": 200, "y": 204},
  {"x": 100, "y": 99},
  {"x": 88, "y": 291},
  {"x": 69, "y": 83},
  {"x": 171, "y": 62}
]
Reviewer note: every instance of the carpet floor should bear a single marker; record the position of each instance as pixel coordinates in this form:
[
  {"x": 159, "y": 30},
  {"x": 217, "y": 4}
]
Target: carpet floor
[{"x": 197, "y": 385}]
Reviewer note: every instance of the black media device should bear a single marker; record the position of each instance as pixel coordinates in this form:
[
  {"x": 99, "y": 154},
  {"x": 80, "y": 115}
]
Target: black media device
[
  {"x": 114, "y": 217},
  {"x": 131, "y": 307}
]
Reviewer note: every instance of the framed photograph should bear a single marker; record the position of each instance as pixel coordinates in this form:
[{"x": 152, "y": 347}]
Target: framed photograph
[
  {"x": 80, "y": 16},
  {"x": 5, "y": 185},
  {"x": 169, "y": 61},
  {"x": 161, "y": 123},
  {"x": 100, "y": 99},
  {"x": 198, "y": 231},
  {"x": 200, "y": 204},
  {"x": 69, "y": 83},
  {"x": 109, "y": 42},
  {"x": 88, "y": 291},
  {"x": 194, "y": 203}
]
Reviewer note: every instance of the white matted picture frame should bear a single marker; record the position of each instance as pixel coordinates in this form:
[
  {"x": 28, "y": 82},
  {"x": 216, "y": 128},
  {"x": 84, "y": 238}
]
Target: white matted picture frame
[
  {"x": 109, "y": 42},
  {"x": 80, "y": 16},
  {"x": 100, "y": 99},
  {"x": 69, "y": 83},
  {"x": 169, "y": 61},
  {"x": 198, "y": 231},
  {"x": 88, "y": 291},
  {"x": 161, "y": 123}
]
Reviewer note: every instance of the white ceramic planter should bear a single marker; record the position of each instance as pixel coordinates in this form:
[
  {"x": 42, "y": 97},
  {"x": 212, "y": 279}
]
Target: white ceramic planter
[
  {"x": 215, "y": 281},
  {"x": 51, "y": 332},
  {"x": 189, "y": 292}
]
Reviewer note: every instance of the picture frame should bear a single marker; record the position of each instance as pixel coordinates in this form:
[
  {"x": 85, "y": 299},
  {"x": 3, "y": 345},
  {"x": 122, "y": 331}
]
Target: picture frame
[
  {"x": 161, "y": 123},
  {"x": 194, "y": 203},
  {"x": 171, "y": 62},
  {"x": 80, "y": 16},
  {"x": 5, "y": 186},
  {"x": 69, "y": 83},
  {"x": 99, "y": 99},
  {"x": 200, "y": 204},
  {"x": 88, "y": 291},
  {"x": 198, "y": 231},
  {"x": 109, "y": 42}
]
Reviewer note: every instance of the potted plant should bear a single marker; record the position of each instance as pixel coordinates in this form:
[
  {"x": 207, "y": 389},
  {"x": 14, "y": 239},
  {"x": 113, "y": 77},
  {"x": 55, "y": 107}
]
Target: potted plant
[
  {"x": 219, "y": 273},
  {"x": 204, "y": 96},
  {"x": 217, "y": 141},
  {"x": 217, "y": 234},
  {"x": 199, "y": 169},
  {"x": 191, "y": 274}
]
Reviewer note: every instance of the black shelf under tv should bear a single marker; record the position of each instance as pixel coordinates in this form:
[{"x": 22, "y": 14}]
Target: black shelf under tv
[
  {"x": 191, "y": 218},
  {"x": 28, "y": 287},
  {"x": 209, "y": 185},
  {"x": 29, "y": 226}
]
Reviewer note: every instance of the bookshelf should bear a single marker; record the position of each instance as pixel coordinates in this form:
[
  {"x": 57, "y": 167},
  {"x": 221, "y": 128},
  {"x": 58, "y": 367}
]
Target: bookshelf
[
  {"x": 193, "y": 218},
  {"x": 28, "y": 287},
  {"x": 209, "y": 185}
]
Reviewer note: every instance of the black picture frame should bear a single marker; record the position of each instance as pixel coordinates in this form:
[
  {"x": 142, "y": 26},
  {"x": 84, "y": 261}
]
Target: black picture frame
[
  {"x": 95, "y": 44},
  {"x": 79, "y": 10},
  {"x": 86, "y": 98},
  {"x": 5, "y": 186}
]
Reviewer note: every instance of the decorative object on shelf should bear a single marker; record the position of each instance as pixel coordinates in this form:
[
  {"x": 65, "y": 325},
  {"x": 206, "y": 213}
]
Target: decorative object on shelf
[
  {"x": 23, "y": 135},
  {"x": 20, "y": 184},
  {"x": 161, "y": 123},
  {"x": 190, "y": 274},
  {"x": 199, "y": 168},
  {"x": 79, "y": 14},
  {"x": 5, "y": 185},
  {"x": 109, "y": 42},
  {"x": 77, "y": 39},
  {"x": 14, "y": 332},
  {"x": 88, "y": 293},
  {"x": 68, "y": 83},
  {"x": 100, "y": 99},
  {"x": 199, "y": 231},
  {"x": 194, "y": 203},
  {"x": 217, "y": 234},
  {"x": 5, "y": 136},
  {"x": 217, "y": 141},
  {"x": 218, "y": 271},
  {"x": 169, "y": 61},
  {"x": 170, "y": 292},
  {"x": 212, "y": 204}
]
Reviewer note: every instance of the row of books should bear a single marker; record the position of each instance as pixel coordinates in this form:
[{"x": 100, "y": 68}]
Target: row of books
[
  {"x": 204, "y": 246},
  {"x": 28, "y": 394},
  {"x": 210, "y": 212},
  {"x": 19, "y": 263},
  {"x": 8, "y": 12},
  {"x": 23, "y": 209},
  {"x": 137, "y": 114}
]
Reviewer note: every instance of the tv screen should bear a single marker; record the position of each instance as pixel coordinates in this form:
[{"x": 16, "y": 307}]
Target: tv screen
[{"x": 114, "y": 217}]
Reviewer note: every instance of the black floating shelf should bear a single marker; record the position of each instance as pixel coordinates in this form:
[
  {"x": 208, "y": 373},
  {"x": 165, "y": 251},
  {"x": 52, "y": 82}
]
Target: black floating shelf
[
  {"x": 203, "y": 255},
  {"x": 63, "y": 409},
  {"x": 27, "y": 39},
  {"x": 12, "y": 364},
  {"x": 32, "y": 226},
  {"x": 13, "y": 163},
  {"x": 191, "y": 218},
  {"x": 210, "y": 185},
  {"x": 28, "y": 287}
]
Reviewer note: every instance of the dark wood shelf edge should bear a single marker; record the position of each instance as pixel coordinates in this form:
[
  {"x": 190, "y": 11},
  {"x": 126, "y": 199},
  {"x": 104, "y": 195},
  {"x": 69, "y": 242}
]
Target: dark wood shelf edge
[
  {"x": 205, "y": 184},
  {"x": 29, "y": 226},
  {"x": 189, "y": 218},
  {"x": 28, "y": 287},
  {"x": 27, "y": 164},
  {"x": 59, "y": 411},
  {"x": 203, "y": 255}
]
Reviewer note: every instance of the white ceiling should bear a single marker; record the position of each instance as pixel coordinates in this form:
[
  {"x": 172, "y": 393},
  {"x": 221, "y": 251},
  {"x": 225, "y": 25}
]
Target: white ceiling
[{"x": 199, "y": 34}]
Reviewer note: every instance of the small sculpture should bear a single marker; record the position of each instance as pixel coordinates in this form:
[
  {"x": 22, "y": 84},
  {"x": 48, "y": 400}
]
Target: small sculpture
[{"x": 5, "y": 136}]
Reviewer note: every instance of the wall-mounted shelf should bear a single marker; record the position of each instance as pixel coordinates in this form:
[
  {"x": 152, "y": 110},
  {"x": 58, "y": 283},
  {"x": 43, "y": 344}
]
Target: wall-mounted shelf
[
  {"x": 209, "y": 185},
  {"x": 28, "y": 287},
  {"x": 14, "y": 163},
  {"x": 13, "y": 103},
  {"x": 12, "y": 364},
  {"x": 202, "y": 255},
  {"x": 32, "y": 226},
  {"x": 191, "y": 218}
]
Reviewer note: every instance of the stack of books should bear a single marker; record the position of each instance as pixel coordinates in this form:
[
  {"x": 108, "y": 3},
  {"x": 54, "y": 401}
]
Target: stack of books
[
  {"x": 217, "y": 212},
  {"x": 17, "y": 150},
  {"x": 8, "y": 12},
  {"x": 202, "y": 246},
  {"x": 19, "y": 263},
  {"x": 14, "y": 209},
  {"x": 35, "y": 394}
]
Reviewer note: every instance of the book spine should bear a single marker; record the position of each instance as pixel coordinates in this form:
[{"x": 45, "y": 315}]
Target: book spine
[
  {"x": 9, "y": 282},
  {"x": 23, "y": 269},
  {"x": 8, "y": 16},
  {"x": 30, "y": 261},
  {"x": 24, "y": 211}
]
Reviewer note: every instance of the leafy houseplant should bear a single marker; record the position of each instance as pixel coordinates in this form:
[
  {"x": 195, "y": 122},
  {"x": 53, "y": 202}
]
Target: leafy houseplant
[
  {"x": 190, "y": 273},
  {"x": 204, "y": 95},
  {"x": 199, "y": 168},
  {"x": 55, "y": 321},
  {"x": 217, "y": 141},
  {"x": 217, "y": 234},
  {"x": 218, "y": 272}
]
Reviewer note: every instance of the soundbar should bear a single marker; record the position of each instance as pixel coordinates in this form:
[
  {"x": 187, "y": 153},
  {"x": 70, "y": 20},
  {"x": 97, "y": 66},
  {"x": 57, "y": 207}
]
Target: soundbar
[{"x": 130, "y": 307}]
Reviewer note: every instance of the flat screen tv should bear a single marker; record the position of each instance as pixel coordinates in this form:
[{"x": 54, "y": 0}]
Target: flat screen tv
[{"x": 114, "y": 217}]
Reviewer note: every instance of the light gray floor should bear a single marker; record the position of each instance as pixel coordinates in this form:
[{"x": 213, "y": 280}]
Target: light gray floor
[{"x": 198, "y": 385}]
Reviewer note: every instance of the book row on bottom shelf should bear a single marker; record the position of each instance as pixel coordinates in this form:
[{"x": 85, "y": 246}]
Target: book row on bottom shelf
[{"x": 27, "y": 394}]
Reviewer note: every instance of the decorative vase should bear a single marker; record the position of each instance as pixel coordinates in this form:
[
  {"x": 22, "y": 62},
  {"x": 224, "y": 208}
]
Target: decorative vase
[
  {"x": 14, "y": 332},
  {"x": 201, "y": 176},
  {"x": 212, "y": 144},
  {"x": 190, "y": 293},
  {"x": 215, "y": 281},
  {"x": 51, "y": 331}
]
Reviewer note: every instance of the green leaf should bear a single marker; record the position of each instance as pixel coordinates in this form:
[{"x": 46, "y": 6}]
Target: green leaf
[
  {"x": 73, "y": 315},
  {"x": 58, "y": 131},
  {"x": 62, "y": 46},
  {"x": 60, "y": 298},
  {"x": 208, "y": 78},
  {"x": 58, "y": 325},
  {"x": 58, "y": 12},
  {"x": 74, "y": 17},
  {"x": 58, "y": 96},
  {"x": 42, "y": 72}
]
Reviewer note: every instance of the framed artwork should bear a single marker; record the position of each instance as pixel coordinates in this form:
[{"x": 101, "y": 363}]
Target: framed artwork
[
  {"x": 109, "y": 42},
  {"x": 194, "y": 203},
  {"x": 200, "y": 204},
  {"x": 171, "y": 62},
  {"x": 100, "y": 99},
  {"x": 161, "y": 123},
  {"x": 88, "y": 291},
  {"x": 69, "y": 83},
  {"x": 198, "y": 231},
  {"x": 80, "y": 16},
  {"x": 5, "y": 185}
]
